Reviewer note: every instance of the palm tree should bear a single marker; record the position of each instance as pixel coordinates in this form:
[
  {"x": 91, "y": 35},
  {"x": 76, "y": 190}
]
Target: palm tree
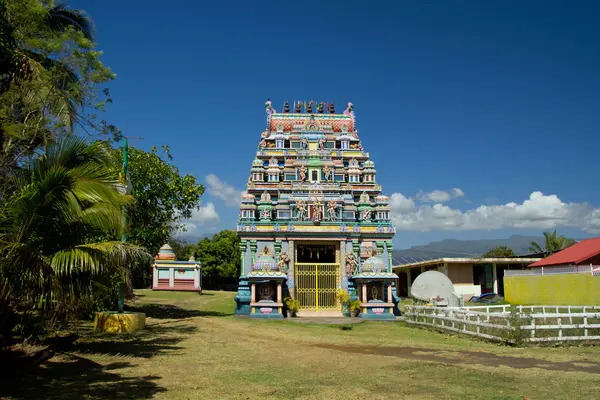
[
  {"x": 60, "y": 203},
  {"x": 552, "y": 244}
]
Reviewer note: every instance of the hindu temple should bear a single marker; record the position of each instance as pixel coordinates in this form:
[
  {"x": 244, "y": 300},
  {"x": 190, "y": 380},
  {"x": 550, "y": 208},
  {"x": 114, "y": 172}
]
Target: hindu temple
[{"x": 313, "y": 218}]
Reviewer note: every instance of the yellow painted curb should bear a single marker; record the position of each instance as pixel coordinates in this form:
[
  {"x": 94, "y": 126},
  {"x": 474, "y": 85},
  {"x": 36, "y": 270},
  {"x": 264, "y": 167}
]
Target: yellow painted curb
[{"x": 114, "y": 322}]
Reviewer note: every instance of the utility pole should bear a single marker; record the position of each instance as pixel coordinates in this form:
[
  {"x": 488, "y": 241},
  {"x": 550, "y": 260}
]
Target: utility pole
[{"x": 126, "y": 183}]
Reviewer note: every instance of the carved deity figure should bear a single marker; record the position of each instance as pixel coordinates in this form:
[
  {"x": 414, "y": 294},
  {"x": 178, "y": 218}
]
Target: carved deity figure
[
  {"x": 374, "y": 293},
  {"x": 320, "y": 107},
  {"x": 301, "y": 206},
  {"x": 327, "y": 172},
  {"x": 321, "y": 144},
  {"x": 269, "y": 108},
  {"x": 366, "y": 214},
  {"x": 283, "y": 262},
  {"x": 304, "y": 143},
  {"x": 262, "y": 144},
  {"x": 249, "y": 179},
  {"x": 265, "y": 197},
  {"x": 349, "y": 110},
  {"x": 331, "y": 210},
  {"x": 266, "y": 213},
  {"x": 317, "y": 212},
  {"x": 303, "y": 173},
  {"x": 351, "y": 264},
  {"x": 364, "y": 197},
  {"x": 265, "y": 252},
  {"x": 266, "y": 292}
]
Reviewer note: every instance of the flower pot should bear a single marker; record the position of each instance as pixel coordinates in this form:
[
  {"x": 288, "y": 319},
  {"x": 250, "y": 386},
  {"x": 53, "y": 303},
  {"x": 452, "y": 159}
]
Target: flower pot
[
  {"x": 353, "y": 313},
  {"x": 291, "y": 314}
]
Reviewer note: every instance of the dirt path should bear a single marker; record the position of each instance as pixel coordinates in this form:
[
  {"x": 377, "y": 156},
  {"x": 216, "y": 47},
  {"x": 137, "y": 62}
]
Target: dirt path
[{"x": 467, "y": 357}]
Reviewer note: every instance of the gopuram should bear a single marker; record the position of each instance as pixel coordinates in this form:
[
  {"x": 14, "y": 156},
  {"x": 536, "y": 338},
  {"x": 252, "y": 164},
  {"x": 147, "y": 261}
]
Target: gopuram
[{"x": 313, "y": 219}]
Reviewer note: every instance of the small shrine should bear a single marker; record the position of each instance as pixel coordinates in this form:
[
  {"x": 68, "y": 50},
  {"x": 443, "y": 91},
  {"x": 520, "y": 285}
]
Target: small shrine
[
  {"x": 375, "y": 288},
  {"x": 266, "y": 285},
  {"x": 170, "y": 274}
]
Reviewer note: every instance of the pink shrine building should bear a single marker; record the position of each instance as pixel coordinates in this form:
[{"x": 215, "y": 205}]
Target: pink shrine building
[{"x": 169, "y": 274}]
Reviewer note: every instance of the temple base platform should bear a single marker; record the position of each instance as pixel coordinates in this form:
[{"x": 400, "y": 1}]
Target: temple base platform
[
  {"x": 266, "y": 310},
  {"x": 377, "y": 309}
]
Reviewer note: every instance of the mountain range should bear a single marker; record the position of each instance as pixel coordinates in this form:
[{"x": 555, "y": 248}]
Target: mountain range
[{"x": 467, "y": 248}]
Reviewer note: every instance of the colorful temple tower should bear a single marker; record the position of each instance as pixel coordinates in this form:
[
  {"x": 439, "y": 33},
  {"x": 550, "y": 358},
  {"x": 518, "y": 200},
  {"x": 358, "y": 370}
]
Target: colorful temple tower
[{"x": 313, "y": 219}]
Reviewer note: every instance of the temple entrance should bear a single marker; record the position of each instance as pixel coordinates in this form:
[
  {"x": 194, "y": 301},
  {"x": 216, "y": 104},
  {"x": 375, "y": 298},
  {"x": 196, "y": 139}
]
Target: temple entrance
[{"x": 317, "y": 271}]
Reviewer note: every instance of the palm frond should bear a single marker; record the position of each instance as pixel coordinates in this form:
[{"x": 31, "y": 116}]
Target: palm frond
[
  {"x": 62, "y": 75},
  {"x": 47, "y": 94},
  {"x": 60, "y": 17},
  {"x": 535, "y": 248},
  {"x": 98, "y": 258}
]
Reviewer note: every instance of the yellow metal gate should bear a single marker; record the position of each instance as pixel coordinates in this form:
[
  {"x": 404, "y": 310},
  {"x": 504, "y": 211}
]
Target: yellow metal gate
[{"x": 316, "y": 286}]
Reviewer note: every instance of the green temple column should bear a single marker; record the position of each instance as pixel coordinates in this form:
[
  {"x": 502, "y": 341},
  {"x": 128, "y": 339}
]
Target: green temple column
[
  {"x": 243, "y": 244},
  {"x": 390, "y": 246},
  {"x": 356, "y": 247},
  {"x": 277, "y": 248},
  {"x": 380, "y": 246},
  {"x": 343, "y": 268},
  {"x": 252, "y": 250},
  {"x": 356, "y": 251}
]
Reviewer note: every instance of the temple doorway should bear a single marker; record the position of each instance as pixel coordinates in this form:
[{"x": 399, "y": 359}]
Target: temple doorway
[{"x": 317, "y": 274}]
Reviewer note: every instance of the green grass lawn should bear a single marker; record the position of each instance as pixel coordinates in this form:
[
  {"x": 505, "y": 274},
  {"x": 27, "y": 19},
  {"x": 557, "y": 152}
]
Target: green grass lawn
[{"x": 193, "y": 348}]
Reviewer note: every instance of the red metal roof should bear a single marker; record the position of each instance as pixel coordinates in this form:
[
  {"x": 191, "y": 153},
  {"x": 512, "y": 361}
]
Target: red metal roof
[{"x": 574, "y": 255}]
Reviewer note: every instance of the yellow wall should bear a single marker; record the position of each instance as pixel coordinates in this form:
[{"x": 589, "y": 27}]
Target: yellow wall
[{"x": 565, "y": 289}]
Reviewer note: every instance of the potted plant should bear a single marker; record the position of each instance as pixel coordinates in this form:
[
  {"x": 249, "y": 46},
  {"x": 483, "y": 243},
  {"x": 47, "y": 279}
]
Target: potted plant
[
  {"x": 354, "y": 307},
  {"x": 292, "y": 305},
  {"x": 342, "y": 295}
]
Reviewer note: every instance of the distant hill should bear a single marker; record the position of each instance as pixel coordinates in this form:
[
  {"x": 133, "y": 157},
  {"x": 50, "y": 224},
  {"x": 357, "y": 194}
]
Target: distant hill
[
  {"x": 192, "y": 239},
  {"x": 467, "y": 248}
]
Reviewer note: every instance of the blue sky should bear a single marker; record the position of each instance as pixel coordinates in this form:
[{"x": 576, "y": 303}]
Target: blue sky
[{"x": 498, "y": 99}]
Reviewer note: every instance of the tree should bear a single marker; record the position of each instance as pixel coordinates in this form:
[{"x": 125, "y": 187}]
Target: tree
[
  {"x": 50, "y": 77},
  {"x": 163, "y": 197},
  {"x": 183, "y": 250},
  {"x": 552, "y": 244},
  {"x": 220, "y": 257},
  {"x": 60, "y": 203},
  {"x": 499, "y": 252}
]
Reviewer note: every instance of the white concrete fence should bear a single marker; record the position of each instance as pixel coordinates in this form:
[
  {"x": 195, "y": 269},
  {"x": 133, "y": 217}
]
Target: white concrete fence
[
  {"x": 569, "y": 269},
  {"x": 529, "y": 323}
]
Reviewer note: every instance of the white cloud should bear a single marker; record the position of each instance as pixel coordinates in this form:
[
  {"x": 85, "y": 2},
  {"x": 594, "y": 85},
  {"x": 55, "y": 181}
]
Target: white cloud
[
  {"x": 400, "y": 203},
  {"x": 222, "y": 190},
  {"x": 456, "y": 192},
  {"x": 439, "y": 196},
  {"x": 537, "y": 212},
  {"x": 205, "y": 216}
]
